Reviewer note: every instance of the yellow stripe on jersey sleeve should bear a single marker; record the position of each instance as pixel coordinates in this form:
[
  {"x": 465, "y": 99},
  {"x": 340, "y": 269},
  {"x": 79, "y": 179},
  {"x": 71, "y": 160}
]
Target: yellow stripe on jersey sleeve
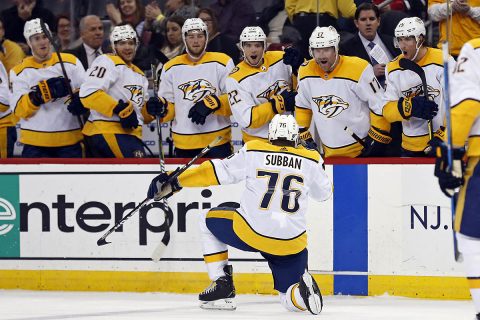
[
  {"x": 379, "y": 122},
  {"x": 391, "y": 112},
  {"x": 25, "y": 108},
  {"x": 303, "y": 117},
  {"x": 475, "y": 43},
  {"x": 463, "y": 116},
  {"x": 170, "y": 113},
  {"x": 100, "y": 101},
  {"x": 224, "y": 109},
  {"x": 260, "y": 115},
  {"x": 3, "y": 107},
  {"x": 147, "y": 117},
  {"x": 202, "y": 176}
]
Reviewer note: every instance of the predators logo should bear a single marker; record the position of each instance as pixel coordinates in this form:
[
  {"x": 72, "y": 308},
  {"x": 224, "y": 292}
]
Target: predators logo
[
  {"x": 418, "y": 91},
  {"x": 330, "y": 105},
  {"x": 274, "y": 89},
  {"x": 196, "y": 90},
  {"x": 136, "y": 93}
]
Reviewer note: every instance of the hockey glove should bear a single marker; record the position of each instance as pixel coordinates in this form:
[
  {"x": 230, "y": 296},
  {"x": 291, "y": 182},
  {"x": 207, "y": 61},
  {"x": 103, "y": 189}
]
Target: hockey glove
[
  {"x": 161, "y": 187},
  {"x": 285, "y": 101},
  {"x": 200, "y": 110},
  {"x": 376, "y": 143},
  {"x": 292, "y": 57},
  {"x": 438, "y": 138},
  {"x": 418, "y": 107},
  {"x": 75, "y": 105},
  {"x": 127, "y": 114},
  {"x": 49, "y": 89},
  {"x": 157, "y": 106},
  {"x": 306, "y": 137},
  {"x": 449, "y": 178}
]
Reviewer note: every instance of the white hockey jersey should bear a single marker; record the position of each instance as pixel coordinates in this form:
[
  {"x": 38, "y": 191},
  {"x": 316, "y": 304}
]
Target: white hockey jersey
[
  {"x": 279, "y": 180},
  {"x": 50, "y": 125},
  {"x": 250, "y": 88},
  {"x": 404, "y": 83},
  {"x": 184, "y": 83},
  {"x": 108, "y": 80},
  {"x": 465, "y": 98},
  {"x": 343, "y": 97},
  {"x": 5, "y": 110}
]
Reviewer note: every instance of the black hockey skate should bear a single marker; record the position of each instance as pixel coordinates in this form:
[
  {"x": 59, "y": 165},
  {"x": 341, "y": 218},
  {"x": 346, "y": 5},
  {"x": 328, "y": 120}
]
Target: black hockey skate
[
  {"x": 310, "y": 293},
  {"x": 219, "y": 295},
  {"x": 478, "y": 316}
]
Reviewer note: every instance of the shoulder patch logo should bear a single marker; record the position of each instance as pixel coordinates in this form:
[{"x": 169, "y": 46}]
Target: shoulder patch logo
[
  {"x": 234, "y": 70},
  {"x": 274, "y": 89},
  {"x": 418, "y": 91},
  {"x": 331, "y": 105},
  {"x": 196, "y": 90},
  {"x": 136, "y": 93}
]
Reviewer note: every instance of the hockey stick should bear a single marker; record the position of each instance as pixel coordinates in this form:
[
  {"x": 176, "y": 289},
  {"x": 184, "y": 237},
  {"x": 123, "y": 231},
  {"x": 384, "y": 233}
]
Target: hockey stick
[
  {"x": 102, "y": 241},
  {"x": 408, "y": 64},
  {"x": 64, "y": 71},
  {"x": 160, "y": 249},
  {"x": 355, "y": 136},
  {"x": 448, "y": 120}
]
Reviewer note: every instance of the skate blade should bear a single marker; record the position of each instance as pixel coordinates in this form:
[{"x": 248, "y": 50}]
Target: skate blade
[
  {"x": 313, "y": 298},
  {"x": 222, "y": 304}
]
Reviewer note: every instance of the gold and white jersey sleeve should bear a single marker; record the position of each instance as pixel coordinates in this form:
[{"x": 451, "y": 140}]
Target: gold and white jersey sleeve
[
  {"x": 108, "y": 80},
  {"x": 250, "y": 88},
  {"x": 50, "y": 125},
  {"x": 184, "y": 83},
  {"x": 279, "y": 181},
  {"x": 465, "y": 98},
  {"x": 5, "y": 109},
  {"x": 405, "y": 83},
  {"x": 343, "y": 97}
]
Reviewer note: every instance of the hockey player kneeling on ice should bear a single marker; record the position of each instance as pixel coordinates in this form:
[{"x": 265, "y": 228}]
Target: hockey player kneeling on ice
[{"x": 280, "y": 175}]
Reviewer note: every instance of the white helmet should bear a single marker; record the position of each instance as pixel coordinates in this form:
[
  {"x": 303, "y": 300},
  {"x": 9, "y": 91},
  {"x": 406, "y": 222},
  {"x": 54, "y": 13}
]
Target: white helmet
[
  {"x": 122, "y": 33},
  {"x": 410, "y": 27},
  {"x": 194, "y": 24},
  {"x": 33, "y": 27},
  {"x": 251, "y": 34},
  {"x": 285, "y": 127},
  {"x": 323, "y": 37}
]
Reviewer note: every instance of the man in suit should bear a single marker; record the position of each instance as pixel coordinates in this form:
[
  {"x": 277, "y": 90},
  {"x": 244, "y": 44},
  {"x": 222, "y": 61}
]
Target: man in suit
[
  {"x": 367, "y": 20},
  {"x": 91, "y": 33}
]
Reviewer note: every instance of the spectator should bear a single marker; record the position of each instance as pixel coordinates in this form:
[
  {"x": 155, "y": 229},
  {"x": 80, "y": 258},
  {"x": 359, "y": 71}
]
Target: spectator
[
  {"x": 47, "y": 128},
  {"x": 233, "y": 16},
  {"x": 398, "y": 5},
  {"x": 367, "y": 21},
  {"x": 218, "y": 42},
  {"x": 303, "y": 15},
  {"x": 91, "y": 33},
  {"x": 11, "y": 53},
  {"x": 272, "y": 20},
  {"x": 127, "y": 11},
  {"x": 465, "y": 21},
  {"x": 173, "y": 42},
  {"x": 64, "y": 32},
  {"x": 15, "y": 17}
]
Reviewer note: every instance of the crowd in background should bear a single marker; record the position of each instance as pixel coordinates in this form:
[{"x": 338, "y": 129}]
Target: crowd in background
[{"x": 82, "y": 27}]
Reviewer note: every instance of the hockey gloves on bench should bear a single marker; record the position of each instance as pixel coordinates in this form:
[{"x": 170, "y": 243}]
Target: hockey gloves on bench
[
  {"x": 157, "y": 106},
  {"x": 449, "y": 178},
  {"x": 127, "y": 114},
  {"x": 418, "y": 107},
  {"x": 48, "y": 90},
  {"x": 161, "y": 187},
  {"x": 284, "y": 101},
  {"x": 376, "y": 143},
  {"x": 200, "y": 110},
  {"x": 292, "y": 57}
]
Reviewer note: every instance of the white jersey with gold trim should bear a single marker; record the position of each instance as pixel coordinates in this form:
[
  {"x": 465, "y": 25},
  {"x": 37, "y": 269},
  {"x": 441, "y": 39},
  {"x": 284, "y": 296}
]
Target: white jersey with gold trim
[
  {"x": 249, "y": 87},
  {"x": 343, "y": 97},
  {"x": 184, "y": 83},
  {"x": 51, "y": 124}
]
